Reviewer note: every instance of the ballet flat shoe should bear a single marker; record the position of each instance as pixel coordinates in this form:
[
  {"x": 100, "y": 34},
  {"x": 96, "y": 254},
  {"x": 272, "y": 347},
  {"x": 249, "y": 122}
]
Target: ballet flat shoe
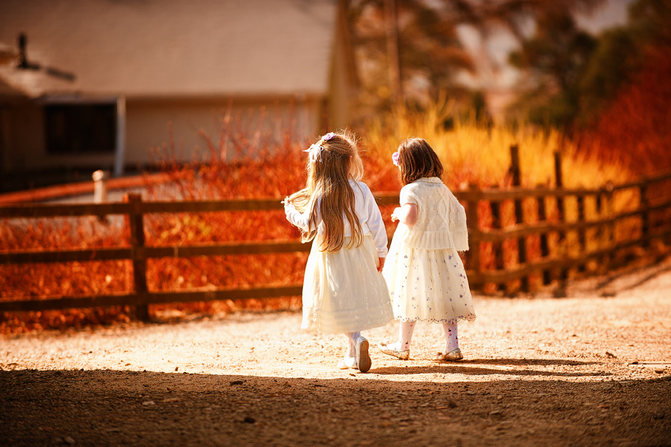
[
  {"x": 452, "y": 356},
  {"x": 363, "y": 360},
  {"x": 399, "y": 354}
]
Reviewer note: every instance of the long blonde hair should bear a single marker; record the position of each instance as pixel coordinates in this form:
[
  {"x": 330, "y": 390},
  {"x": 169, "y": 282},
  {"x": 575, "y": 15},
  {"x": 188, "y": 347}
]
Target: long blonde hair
[{"x": 333, "y": 160}]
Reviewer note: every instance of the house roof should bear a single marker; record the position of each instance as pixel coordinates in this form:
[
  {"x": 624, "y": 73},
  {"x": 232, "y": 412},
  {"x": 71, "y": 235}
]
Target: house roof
[{"x": 170, "y": 48}]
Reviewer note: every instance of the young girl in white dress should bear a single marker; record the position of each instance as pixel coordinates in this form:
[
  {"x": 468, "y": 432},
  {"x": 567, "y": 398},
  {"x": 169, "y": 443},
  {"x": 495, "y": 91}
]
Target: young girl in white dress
[
  {"x": 426, "y": 278},
  {"x": 343, "y": 289}
]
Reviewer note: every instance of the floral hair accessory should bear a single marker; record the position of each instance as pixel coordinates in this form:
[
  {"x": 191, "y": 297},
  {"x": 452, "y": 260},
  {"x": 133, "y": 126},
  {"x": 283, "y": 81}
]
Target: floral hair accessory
[
  {"x": 394, "y": 158},
  {"x": 328, "y": 136}
]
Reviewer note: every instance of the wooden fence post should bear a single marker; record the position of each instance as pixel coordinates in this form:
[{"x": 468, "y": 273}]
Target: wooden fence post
[
  {"x": 582, "y": 239},
  {"x": 545, "y": 249},
  {"x": 136, "y": 222},
  {"x": 497, "y": 247},
  {"x": 473, "y": 223},
  {"x": 519, "y": 211},
  {"x": 644, "y": 202},
  {"x": 605, "y": 231},
  {"x": 563, "y": 273}
]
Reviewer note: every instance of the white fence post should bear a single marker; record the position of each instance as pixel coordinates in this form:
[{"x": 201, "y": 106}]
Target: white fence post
[{"x": 100, "y": 186}]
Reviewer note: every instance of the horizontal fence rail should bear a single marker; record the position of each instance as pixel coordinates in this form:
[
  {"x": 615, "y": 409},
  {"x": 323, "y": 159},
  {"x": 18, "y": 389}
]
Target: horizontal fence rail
[{"x": 135, "y": 209}]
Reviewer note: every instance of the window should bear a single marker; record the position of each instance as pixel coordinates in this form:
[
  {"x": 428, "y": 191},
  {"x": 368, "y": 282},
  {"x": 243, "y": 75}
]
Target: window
[{"x": 80, "y": 128}]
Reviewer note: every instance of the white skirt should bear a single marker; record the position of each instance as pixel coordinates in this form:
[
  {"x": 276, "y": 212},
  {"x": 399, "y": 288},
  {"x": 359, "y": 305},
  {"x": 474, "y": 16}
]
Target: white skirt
[
  {"x": 343, "y": 291},
  {"x": 427, "y": 285}
]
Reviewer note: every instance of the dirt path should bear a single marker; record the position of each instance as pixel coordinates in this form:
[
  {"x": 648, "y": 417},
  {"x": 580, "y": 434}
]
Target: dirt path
[{"x": 583, "y": 370}]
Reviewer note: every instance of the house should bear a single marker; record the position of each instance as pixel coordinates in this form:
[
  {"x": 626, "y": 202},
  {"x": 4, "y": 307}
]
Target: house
[{"x": 100, "y": 84}]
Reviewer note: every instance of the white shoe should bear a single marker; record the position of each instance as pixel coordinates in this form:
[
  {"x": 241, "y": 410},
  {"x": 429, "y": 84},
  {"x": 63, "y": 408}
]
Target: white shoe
[
  {"x": 398, "y": 353},
  {"x": 363, "y": 360},
  {"x": 452, "y": 356},
  {"x": 347, "y": 363}
]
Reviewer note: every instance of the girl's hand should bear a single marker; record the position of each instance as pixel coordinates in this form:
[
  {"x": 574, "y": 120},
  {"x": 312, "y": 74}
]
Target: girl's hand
[
  {"x": 381, "y": 264},
  {"x": 395, "y": 214}
]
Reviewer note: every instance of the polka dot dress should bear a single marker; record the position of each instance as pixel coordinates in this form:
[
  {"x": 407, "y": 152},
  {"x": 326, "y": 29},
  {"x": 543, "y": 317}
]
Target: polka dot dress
[{"x": 426, "y": 284}]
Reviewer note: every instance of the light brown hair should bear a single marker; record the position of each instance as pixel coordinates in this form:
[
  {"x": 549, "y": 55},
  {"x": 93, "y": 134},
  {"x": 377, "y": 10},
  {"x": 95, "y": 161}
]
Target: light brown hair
[
  {"x": 328, "y": 180},
  {"x": 417, "y": 160}
]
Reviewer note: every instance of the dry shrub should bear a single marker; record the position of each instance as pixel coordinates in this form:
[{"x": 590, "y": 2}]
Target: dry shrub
[
  {"x": 53, "y": 280},
  {"x": 637, "y": 125}
]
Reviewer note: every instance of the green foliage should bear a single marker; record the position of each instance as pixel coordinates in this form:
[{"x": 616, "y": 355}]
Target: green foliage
[
  {"x": 430, "y": 51},
  {"x": 576, "y": 76},
  {"x": 556, "y": 58},
  {"x": 611, "y": 64},
  {"x": 558, "y": 51},
  {"x": 650, "y": 21}
]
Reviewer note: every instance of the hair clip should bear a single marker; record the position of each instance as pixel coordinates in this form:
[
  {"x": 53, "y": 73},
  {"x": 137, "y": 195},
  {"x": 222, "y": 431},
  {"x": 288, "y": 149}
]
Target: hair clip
[{"x": 394, "y": 158}]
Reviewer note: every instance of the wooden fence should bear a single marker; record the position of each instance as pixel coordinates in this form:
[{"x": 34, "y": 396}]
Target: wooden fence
[
  {"x": 649, "y": 207},
  {"x": 651, "y": 226}
]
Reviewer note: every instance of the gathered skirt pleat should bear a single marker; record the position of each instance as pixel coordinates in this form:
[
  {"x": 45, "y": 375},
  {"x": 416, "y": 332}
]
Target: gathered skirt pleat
[{"x": 343, "y": 291}]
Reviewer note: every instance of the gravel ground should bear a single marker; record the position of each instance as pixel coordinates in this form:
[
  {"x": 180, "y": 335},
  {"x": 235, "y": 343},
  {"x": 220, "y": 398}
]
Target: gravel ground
[{"x": 593, "y": 368}]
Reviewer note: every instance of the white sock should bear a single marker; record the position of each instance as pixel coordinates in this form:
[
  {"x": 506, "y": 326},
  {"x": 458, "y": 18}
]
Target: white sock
[
  {"x": 351, "y": 347},
  {"x": 405, "y": 330},
  {"x": 451, "y": 337}
]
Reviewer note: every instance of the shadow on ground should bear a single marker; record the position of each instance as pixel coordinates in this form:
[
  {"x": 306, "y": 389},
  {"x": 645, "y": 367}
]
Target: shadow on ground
[{"x": 103, "y": 407}]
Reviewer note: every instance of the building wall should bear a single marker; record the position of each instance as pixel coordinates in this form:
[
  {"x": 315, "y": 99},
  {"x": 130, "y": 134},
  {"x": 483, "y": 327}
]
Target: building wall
[
  {"x": 179, "y": 130},
  {"x": 151, "y": 125},
  {"x": 25, "y": 143}
]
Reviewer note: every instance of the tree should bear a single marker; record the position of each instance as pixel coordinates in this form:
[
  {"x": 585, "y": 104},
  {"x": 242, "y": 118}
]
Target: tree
[
  {"x": 429, "y": 51},
  {"x": 610, "y": 65},
  {"x": 554, "y": 60},
  {"x": 634, "y": 122},
  {"x": 574, "y": 77}
]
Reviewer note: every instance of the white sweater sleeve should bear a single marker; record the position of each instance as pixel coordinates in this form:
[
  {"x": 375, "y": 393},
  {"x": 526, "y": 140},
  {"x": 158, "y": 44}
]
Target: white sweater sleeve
[
  {"x": 375, "y": 222},
  {"x": 458, "y": 226},
  {"x": 302, "y": 221}
]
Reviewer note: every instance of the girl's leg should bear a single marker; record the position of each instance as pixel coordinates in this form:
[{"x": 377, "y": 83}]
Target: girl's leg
[
  {"x": 405, "y": 330},
  {"x": 452, "y": 352},
  {"x": 400, "y": 349},
  {"x": 357, "y": 353},
  {"x": 351, "y": 346},
  {"x": 451, "y": 337},
  {"x": 350, "y": 357}
]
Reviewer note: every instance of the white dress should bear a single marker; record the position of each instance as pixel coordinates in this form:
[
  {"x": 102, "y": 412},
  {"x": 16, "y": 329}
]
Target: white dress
[
  {"x": 343, "y": 291},
  {"x": 426, "y": 278}
]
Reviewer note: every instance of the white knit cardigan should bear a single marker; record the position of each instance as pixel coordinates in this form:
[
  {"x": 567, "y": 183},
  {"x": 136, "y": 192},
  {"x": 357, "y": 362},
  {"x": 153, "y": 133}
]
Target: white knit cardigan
[{"x": 441, "y": 219}]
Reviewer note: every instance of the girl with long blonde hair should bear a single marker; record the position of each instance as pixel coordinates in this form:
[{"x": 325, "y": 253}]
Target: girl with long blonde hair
[{"x": 343, "y": 289}]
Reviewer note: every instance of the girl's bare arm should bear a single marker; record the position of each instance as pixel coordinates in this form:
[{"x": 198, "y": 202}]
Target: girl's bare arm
[{"x": 406, "y": 214}]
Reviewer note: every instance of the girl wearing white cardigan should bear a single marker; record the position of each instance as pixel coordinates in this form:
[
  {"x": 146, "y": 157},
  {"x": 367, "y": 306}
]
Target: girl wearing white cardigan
[
  {"x": 343, "y": 290},
  {"x": 425, "y": 275}
]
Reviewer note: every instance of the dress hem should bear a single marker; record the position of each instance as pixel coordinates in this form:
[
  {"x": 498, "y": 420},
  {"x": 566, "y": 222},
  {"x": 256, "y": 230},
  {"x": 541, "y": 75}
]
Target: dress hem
[{"x": 470, "y": 318}]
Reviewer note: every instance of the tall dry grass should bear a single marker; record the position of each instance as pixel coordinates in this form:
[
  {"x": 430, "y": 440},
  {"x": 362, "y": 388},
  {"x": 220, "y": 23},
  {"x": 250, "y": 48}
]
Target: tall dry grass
[{"x": 479, "y": 154}]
